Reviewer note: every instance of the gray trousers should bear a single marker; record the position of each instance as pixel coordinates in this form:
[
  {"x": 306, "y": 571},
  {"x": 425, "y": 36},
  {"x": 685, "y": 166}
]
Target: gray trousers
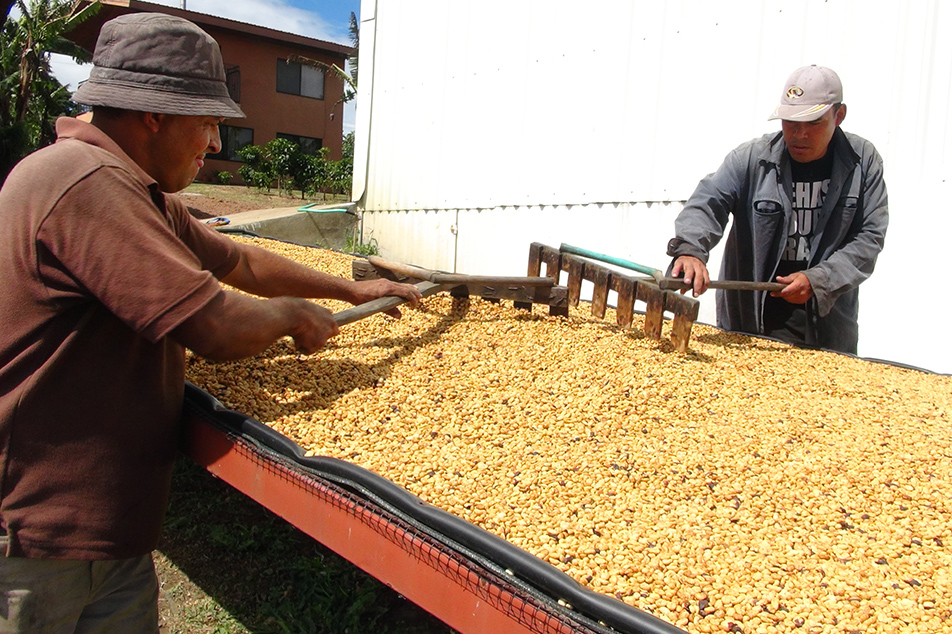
[{"x": 54, "y": 596}]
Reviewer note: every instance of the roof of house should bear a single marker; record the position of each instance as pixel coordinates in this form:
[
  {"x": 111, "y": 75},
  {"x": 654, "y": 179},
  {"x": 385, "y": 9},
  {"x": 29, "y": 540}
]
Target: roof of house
[{"x": 86, "y": 34}]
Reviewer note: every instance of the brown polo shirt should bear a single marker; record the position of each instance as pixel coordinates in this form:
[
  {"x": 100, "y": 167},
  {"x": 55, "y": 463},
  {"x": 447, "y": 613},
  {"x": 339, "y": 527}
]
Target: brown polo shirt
[{"x": 97, "y": 267}]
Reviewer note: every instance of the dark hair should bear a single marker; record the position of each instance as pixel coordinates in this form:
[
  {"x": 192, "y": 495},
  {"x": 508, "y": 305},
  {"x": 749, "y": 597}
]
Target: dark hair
[{"x": 108, "y": 112}]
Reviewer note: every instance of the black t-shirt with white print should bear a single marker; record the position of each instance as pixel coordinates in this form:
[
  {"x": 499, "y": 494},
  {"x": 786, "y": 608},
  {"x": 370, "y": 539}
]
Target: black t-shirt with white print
[{"x": 782, "y": 319}]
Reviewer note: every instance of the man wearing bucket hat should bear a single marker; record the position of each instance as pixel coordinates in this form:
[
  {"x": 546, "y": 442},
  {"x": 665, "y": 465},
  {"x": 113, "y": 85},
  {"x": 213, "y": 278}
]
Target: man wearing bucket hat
[
  {"x": 809, "y": 210},
  {"x": 104, "y": 280}
]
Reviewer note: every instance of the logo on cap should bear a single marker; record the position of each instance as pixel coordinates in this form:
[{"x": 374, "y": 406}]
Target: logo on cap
[{"x": 794, "y": 92}]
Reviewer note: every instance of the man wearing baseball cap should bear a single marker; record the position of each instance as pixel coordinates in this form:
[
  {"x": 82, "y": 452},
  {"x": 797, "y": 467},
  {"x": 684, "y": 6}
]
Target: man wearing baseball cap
[
  {"x": 809, "y": 210},
  {"x": 105, "y": 279}
]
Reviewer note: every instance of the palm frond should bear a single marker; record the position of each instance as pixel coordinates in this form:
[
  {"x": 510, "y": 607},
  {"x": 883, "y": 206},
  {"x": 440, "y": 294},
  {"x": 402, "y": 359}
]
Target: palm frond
[{"x": 334, "y": 69}]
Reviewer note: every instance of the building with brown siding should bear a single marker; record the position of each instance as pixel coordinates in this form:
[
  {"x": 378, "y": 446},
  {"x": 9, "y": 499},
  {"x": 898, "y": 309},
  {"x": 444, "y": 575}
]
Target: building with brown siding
[{"x": 290, "y": 100}]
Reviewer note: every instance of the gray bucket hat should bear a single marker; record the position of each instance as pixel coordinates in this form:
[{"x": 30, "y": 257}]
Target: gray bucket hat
[{"x": 152, "y": 62}]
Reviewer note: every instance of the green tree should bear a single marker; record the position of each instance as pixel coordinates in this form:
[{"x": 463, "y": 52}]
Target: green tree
[
  {"x": 282, "y": 162},
  {"x": 309, "y": 172},
  {"x": 347, "y": 147},
  {"x": 257, "y": 169},
  {"x": 340, "y": 179},
  {"x": 352, "y": 60},
  {"x": 30, "y": 97},
  {"x": 282, "y": 153}
]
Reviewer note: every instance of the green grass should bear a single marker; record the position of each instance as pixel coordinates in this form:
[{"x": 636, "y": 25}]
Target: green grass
[
  {"x": 228, "y": 565},
  {"x": 367, "y": 248},
  {"x": 272, "y": 198}
]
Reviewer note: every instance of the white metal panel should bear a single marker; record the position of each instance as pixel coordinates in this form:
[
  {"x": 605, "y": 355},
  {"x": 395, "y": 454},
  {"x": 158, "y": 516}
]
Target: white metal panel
[
  {"x": 423, "y": 238},
  {"x": 508, "y": 103},
  {"x": 518, "y": 102},
  {"x": 500, "y": 108},
  {"x": 907, "y": 111},
  {"x": 362, "y": 125}
]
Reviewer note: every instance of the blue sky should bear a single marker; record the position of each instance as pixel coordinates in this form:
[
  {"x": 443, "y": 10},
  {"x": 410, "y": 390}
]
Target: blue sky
[{"x": 327, "y": 20}]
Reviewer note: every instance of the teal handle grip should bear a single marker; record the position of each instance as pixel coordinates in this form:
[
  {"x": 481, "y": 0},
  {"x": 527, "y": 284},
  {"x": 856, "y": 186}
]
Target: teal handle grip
[{"x": 628, "y": 264}]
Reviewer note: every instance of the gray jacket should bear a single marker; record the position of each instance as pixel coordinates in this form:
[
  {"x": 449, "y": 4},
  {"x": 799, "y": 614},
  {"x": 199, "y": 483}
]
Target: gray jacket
[{"x": 754, "y": 186}]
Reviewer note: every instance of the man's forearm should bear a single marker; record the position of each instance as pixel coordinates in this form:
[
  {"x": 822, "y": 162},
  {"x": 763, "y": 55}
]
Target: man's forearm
[
  {"x": 232, "y": 326},
  {"x": 267, "y": 274}
]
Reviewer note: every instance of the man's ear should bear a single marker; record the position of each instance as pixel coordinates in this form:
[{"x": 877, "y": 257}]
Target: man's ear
[
  {"x": 840, "y": 114},
  {"x": 152, "y": 120}
]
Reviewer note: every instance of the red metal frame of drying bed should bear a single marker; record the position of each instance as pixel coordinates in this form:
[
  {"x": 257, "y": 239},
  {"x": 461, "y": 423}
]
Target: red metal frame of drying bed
[{"x": 437, "y": 579}]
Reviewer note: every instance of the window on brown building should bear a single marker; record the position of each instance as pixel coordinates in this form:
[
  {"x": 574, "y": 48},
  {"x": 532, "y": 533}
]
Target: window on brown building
[
  {"x": 233, "y": 139},
  {"x": 308, "y": 145},
  {"x": 299, "y": 79},
  {"x": 233, "y": 80}
]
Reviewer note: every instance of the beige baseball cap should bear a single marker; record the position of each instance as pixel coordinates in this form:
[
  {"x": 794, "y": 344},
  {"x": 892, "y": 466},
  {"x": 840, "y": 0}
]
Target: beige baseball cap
[{"x": 809, "y": 92}]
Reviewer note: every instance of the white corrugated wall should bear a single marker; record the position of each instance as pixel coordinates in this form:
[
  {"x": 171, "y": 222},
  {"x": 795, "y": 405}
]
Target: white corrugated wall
[{"x": 484, "y": 125}]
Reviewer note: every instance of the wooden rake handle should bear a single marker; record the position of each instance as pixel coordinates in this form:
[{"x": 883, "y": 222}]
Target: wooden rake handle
[
  {"x": 457, "y": 279},
  {"x": 433, "y": 282},
  {"x": 677, "y": 284},
  {"x": 356, "y": 313}
]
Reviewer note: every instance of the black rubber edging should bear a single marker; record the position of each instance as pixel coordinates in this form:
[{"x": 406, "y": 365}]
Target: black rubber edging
[{"x": 539, "y": 575}]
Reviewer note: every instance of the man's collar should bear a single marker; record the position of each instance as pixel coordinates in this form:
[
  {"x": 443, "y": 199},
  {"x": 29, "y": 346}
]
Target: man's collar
[{"x": 72, "y": 128}]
